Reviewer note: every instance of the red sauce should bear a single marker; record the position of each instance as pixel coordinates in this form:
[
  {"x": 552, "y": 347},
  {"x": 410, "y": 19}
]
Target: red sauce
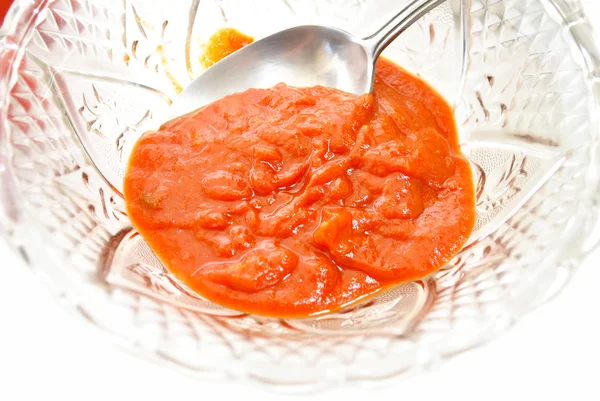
[{"x": 293, "y": 201}]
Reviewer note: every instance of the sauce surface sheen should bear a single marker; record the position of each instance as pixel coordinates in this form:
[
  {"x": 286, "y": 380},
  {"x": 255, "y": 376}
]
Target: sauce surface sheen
[{"x": 293, "y": 201}]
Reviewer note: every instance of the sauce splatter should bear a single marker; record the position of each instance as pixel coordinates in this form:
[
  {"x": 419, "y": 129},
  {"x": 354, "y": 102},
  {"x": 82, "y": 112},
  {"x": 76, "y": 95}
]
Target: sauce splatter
[
  {"x": 163, "y": 60},
  {"x": 221, "y": 44}
]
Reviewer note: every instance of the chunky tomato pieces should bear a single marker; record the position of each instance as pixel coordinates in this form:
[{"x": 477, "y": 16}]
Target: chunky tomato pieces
[{"x": 293, "y": 201}]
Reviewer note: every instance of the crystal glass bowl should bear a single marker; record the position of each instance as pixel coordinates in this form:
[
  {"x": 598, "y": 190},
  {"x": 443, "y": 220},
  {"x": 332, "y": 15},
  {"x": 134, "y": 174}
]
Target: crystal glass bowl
[{"x": 80, "y": 80}]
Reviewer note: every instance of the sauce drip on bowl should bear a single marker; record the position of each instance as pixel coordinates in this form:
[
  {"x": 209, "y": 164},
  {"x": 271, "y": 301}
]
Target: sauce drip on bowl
[
  {"x": 293, "y": 201},
  {"x": 221, "y": 44}
]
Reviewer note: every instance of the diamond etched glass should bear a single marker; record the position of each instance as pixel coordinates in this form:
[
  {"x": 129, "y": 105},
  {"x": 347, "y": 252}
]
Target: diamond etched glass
[{"x": 81, "y": 80}]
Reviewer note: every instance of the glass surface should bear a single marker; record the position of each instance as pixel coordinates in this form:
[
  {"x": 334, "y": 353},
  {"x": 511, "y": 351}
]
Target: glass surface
[{"x": 81, "y": 80}]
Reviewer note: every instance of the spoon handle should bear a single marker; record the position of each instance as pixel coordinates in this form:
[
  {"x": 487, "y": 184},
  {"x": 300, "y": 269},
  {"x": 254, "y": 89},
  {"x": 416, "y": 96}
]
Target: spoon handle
[{"x": 408, "y": 15}]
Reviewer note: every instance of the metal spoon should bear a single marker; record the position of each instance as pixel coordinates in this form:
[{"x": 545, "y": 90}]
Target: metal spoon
[{"x": 301, "y": 56}]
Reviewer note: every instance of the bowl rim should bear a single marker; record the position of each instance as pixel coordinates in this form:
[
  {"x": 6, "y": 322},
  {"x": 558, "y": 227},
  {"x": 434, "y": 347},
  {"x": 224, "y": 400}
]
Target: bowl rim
[{"x": 23, "y": 14}]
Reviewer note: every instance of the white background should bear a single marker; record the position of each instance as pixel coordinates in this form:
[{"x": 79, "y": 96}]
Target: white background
[{"x": 44, "y": 353}]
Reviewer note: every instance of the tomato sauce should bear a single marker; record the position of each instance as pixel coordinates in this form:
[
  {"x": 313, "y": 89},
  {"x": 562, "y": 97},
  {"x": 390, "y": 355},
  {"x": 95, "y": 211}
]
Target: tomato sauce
[{"x": 291, "y": 201}]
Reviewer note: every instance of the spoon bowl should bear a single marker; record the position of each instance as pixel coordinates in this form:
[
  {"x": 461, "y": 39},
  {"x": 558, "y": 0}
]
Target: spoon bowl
[{"x": 301, "y": 56}]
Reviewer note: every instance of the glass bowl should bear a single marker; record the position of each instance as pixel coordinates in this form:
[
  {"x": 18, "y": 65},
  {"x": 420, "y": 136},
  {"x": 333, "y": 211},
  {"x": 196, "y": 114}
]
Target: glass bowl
[{"x": 81, "y": 80}]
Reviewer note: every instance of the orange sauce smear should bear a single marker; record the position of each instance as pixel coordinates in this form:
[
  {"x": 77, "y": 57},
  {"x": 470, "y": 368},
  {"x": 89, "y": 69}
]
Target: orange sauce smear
[{"x": 221, "y": 44}]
